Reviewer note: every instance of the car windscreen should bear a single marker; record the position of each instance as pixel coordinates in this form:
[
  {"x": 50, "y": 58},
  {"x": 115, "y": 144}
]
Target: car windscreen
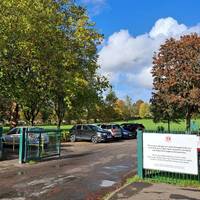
[
  {"x": 13, "y": 131},
  {"x": 95, "y": 128}
]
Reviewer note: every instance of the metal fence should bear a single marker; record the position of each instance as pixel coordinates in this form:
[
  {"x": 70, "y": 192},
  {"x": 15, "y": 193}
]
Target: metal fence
[
  {"x": 39, "y": 144},
  {"x": 159, "y": 174},
  {"x": 9, "y": 149},
  {"x": 30, "y": 144}
]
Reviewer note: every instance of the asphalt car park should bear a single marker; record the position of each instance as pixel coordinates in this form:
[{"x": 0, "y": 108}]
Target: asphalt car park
[{"x": 84, "y": 171}]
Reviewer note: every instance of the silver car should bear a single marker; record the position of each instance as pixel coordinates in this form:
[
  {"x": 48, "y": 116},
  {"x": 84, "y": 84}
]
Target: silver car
[
  {"x": 13, "y": 136},
  {"x": 114, "y": 129}
]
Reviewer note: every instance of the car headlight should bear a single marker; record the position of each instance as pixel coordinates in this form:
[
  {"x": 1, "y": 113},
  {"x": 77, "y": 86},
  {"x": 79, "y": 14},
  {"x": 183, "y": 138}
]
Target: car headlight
[{"x": 99, "y": 134}]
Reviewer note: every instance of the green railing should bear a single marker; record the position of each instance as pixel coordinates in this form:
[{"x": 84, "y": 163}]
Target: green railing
[
  {"x": 34, "y": 144},
  {"x": 39, "y": 144},
  {"x": 159, "y": 174}
]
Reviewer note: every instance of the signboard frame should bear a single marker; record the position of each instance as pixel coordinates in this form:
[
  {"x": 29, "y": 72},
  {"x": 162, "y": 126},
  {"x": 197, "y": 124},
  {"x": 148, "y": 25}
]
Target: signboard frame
[{"x": 175, "y": 153}]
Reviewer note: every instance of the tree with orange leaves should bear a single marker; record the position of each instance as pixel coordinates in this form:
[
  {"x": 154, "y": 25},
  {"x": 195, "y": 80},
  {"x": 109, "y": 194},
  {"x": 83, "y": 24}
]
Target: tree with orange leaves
[{"x": 176, "y": 73}]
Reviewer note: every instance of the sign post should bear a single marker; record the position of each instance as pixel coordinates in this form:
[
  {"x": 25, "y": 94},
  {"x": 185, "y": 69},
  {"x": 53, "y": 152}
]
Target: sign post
[{"x": 140, "y": 153}]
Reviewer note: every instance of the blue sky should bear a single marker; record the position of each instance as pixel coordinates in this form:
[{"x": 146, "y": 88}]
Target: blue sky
[{"x": 133, "y": 31}]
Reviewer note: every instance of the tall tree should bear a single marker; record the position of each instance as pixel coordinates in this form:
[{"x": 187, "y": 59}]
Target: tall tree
[
  {"x": 128, "y": 111},
  {"x": 136, "y": 107},
  {"x": 144, "y": 111},
  {"x": 109, "y": 106},
  {"x": 176, "y": 73},
  {"x": 162, "y": 111},
  {"x": 48, "y": 52}
]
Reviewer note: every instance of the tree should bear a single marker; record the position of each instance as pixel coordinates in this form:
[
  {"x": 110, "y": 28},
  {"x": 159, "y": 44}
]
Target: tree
[
  {"x": 109, "y": 111},
  {"x": 5, "y": 109},
  {"x": 162, "y": 111},
  {"x": 136, "y": 107},
  {"x": 128, "y": 111},
  {"x": 48, "y": 52},
  {"x": 25, "y": 43},
  {"x": 144, "y": 111},
  {"x": 77, "y": 72},
  {"x": 176, "y": 73},
  {"x": 120, "y": 108}
]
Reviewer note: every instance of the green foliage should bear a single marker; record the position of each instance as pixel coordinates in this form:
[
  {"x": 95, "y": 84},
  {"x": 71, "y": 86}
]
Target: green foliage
[
  {"x": 48, "y": 55},
  {"x": 168, "y": 180},
  {"x": 136, "y": 107},
  {"x": 144, "y": 111},
  {"x": 65, "y": 136},
  {"x": 160, "y": 129}
]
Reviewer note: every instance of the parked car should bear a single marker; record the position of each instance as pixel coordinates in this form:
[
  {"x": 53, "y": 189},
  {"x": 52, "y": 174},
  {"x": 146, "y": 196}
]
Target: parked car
[
  {"x": 132, "y": 127},
  {"x": 127, "y": 134},
  {"x": 114, "y": 129},
  {"x": 89, "y": 132},
  {"x": 13, "y": 135}
]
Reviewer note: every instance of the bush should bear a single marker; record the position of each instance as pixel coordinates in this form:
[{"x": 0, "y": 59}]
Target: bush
[
  {"x": 160, "y": 129},
  {"x": 65, "y": 136}
]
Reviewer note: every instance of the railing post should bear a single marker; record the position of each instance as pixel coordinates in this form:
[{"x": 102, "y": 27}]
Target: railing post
[
  {"x": 140, "y": 153},
  {"x": 22, "y": 146},
  {"x": 59, "y": 140},
  {"x": 1, "y": 144}
]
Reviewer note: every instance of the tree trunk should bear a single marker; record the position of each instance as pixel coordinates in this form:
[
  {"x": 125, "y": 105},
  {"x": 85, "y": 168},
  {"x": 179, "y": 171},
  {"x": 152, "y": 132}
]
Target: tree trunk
[
  {"x": 188, "y": 119},
  {"x": 15, "y": 115},
  {"x": 59, "y": 123},
  {"x": 32, "y": 121},
  {"x": 168, "y": 123}
]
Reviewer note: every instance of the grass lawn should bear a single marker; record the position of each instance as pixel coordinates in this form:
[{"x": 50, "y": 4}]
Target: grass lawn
[{"x": 148, "y": 123}]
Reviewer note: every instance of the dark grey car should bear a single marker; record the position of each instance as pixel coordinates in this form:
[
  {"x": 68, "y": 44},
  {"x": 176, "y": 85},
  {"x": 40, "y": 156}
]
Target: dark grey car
[{"x": 89, "y": 132}]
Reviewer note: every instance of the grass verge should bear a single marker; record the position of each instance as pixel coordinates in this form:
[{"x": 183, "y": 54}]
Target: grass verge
[{"x": 172, "y": 181}]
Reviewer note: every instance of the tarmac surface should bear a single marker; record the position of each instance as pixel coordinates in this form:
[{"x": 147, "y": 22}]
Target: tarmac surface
[
  {"x": 148, "y": 191},
  {"x": 84, "y": 171}
]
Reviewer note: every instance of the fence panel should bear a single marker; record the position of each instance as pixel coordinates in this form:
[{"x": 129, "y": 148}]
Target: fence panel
[{"x": 42, "y": 144}]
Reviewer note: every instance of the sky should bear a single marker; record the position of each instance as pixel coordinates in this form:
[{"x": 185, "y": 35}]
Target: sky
[{"x": 133, "y": 30}]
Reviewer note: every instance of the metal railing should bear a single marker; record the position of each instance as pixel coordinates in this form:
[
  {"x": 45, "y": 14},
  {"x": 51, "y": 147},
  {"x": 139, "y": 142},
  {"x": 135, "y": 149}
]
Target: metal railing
[
  {"x": 37, "y": 145},
  {"x": 31, "y": 144}
]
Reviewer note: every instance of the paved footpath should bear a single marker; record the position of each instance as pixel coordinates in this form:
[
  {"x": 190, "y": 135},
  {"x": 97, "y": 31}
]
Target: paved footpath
[{"x": 147, "y": 191}]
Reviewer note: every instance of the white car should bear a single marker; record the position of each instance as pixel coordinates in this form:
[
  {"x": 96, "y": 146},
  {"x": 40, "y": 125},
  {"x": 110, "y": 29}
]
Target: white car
[
  {"x": 13, "y": 136},
  {"x": 114, "y": 129}
]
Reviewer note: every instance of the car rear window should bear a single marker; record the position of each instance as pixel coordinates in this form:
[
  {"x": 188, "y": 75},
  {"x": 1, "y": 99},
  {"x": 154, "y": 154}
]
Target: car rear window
[
  {"x": 116, "y": 127},
  {"x": 106, "y": 126},
  {"x": 78, "y": 127}
]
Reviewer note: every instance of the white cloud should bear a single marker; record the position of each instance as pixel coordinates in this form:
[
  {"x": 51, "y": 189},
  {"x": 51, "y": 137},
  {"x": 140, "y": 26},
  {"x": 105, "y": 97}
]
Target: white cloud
[
  {"x": 167, "y": 27},
  {"x": 96, "y": 6},
  {"x": 128, "y": 59}
]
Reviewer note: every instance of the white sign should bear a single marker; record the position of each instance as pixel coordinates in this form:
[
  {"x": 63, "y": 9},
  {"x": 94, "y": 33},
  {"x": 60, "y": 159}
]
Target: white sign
[{"x": 170, "y": 152}]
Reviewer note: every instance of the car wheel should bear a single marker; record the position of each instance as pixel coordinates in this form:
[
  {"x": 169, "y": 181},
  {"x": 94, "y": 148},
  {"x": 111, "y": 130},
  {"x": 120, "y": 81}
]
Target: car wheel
[
  {"x": 73, "y": 138},
  {"x": 94, "y": 139}
]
